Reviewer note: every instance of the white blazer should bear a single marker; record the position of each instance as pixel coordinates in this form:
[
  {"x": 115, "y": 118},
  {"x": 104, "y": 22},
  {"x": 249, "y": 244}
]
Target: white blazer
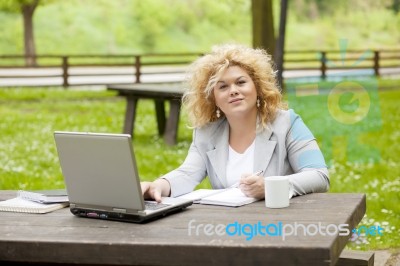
[{"x": 285, "y": 148}]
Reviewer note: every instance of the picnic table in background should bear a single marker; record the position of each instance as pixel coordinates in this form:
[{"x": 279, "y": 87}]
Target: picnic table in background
[{"x": 159, "y": 92}]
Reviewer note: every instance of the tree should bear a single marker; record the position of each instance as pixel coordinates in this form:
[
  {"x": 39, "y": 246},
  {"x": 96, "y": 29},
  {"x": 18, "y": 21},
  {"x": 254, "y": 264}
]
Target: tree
[
  {"x": 280, "y": 42},
  {"x": 263, "y": 25},
  {"x": 263, "y": 31},
  {"x": 396, "y": 6},
  {"x": 26, "y": 8}
]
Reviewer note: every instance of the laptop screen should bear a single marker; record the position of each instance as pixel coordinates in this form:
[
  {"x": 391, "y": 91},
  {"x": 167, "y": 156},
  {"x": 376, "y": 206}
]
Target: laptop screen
[{"x": 99, "y": 170}]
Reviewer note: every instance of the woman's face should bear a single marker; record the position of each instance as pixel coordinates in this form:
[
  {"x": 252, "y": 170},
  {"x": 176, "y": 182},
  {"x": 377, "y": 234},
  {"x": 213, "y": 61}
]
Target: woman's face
[{"x": 235, "y": 93}]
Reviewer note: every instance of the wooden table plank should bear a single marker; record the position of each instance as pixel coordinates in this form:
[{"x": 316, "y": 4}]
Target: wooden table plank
[{"x": 61, "y": 237}]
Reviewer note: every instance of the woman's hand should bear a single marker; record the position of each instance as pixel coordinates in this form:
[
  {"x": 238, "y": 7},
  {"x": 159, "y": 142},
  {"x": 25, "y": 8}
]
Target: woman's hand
[
  {"x": 156, "y": 189},
  {"x": 252, "y": 186}
]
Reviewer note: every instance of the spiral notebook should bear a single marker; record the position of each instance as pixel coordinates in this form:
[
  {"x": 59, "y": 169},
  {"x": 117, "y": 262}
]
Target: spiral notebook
[{"x": 22, "y": 205}]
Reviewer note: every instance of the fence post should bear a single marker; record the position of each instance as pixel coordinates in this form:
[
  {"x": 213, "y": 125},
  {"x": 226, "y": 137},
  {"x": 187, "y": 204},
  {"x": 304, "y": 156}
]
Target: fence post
[
  {"x": 137, "y": 68},
  {"x": 376, "y": 63},
  {"x": 323, "y": 65},
  {"x": 65, "y": 71}
]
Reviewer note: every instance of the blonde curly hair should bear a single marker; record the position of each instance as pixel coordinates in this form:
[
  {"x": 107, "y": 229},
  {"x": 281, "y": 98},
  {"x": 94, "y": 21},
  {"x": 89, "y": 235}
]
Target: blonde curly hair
[{"x": 205, "y": 72}]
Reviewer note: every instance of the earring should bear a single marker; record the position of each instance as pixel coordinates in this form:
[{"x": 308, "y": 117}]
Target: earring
[
  {"x": 258, "y": 102},
  {"x": 218, "y": 112}
]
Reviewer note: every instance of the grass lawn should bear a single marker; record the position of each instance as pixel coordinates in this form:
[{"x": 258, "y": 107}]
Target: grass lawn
[{"x": 28, "y": 159}]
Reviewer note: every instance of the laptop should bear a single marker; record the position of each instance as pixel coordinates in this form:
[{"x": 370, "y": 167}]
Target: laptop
[{"x": 102, "y": 179}]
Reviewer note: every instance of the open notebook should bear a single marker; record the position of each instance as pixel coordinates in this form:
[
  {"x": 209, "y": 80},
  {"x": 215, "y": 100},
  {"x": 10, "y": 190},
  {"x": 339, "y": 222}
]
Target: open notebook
[{"x": 232, "y": 197}]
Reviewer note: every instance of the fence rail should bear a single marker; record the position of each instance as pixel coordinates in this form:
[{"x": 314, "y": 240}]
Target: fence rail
[{"x": 133, "y": 68}]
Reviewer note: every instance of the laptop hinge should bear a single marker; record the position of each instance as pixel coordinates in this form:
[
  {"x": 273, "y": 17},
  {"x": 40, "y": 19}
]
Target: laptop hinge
[{"x": 119, "y": 210}]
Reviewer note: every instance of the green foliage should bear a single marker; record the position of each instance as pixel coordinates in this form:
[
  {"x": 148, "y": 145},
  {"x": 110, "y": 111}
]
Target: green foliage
[
  {"x": 15, "y": 6},
  {"x": 135, "y": 26}
]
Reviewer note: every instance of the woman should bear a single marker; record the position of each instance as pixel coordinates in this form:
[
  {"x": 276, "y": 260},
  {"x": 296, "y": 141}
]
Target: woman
[{"x": 241, "y": 128}]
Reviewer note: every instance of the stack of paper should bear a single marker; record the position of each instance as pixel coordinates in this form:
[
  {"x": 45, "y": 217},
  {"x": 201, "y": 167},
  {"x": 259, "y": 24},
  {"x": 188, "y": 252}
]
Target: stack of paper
[{"x": 44, "y": 196}]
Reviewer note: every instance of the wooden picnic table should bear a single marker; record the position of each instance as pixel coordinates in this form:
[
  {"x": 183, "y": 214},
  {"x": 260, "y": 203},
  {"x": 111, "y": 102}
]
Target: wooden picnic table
[
  {"x": 183, "y": 238},
  {"x": 159, "y": 92}
]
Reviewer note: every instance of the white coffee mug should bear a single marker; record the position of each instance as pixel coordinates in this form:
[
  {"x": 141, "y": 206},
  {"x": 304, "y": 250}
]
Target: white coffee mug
[{"x": 277, "y": 191}]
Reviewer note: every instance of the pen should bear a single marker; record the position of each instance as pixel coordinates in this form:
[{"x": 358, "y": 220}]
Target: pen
[{"x": 237, "y": 183}]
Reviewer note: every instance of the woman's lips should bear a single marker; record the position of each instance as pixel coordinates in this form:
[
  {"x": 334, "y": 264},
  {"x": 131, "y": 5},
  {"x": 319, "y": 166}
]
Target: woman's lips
[{"x": 235, "y": 100}]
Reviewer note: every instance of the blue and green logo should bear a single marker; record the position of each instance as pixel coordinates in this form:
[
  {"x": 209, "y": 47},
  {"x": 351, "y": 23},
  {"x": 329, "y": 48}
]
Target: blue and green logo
[{"x": 340, "y": 109}]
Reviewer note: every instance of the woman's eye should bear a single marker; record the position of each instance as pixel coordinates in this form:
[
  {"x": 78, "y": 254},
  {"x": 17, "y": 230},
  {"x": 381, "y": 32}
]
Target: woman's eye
[
  {"x": 241, "y": 82},
  {"x": 222, "y": 87}
]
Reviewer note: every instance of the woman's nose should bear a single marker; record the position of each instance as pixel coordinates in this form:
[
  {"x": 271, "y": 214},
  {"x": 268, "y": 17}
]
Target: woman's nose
[{"x": 233, "y": 90}]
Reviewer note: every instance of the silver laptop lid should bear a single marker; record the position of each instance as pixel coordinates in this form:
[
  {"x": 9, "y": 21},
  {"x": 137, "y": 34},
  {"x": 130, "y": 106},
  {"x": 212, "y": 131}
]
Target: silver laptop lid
[{"x": 99, "y": 170}]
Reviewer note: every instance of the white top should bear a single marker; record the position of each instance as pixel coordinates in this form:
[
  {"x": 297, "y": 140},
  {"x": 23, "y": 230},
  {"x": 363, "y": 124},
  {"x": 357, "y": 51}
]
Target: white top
[{"x": 239, "y": 164}]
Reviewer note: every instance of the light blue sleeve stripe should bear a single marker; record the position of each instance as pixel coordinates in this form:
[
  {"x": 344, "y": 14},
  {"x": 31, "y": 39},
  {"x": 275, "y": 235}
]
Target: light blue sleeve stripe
[
  {"x": 299, "y": 131},
  {"x": 311, "y": 159}
]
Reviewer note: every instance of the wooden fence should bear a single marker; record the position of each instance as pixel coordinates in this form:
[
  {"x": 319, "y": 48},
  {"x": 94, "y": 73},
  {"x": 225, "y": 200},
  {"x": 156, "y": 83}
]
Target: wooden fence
[
  {"x": 137, "y": 66},
  {"x": 342, "y": 60}
]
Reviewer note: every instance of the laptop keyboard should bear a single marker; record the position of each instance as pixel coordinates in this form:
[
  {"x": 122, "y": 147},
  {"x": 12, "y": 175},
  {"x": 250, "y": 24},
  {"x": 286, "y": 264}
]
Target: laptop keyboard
[{"x": 152, "y": 205}]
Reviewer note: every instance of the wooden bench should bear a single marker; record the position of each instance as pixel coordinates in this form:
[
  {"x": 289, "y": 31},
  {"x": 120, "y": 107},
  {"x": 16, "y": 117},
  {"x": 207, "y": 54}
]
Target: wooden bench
[
  {"x": 159, "y": 92},
  {"x": 356, "y": 258}
]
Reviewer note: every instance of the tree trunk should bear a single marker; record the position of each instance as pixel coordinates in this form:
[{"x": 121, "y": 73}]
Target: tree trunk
[
  {"x": 280, "y": 43},
  {"x": 263, "y": 25},
  {"x": 29, "y": 40}
]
